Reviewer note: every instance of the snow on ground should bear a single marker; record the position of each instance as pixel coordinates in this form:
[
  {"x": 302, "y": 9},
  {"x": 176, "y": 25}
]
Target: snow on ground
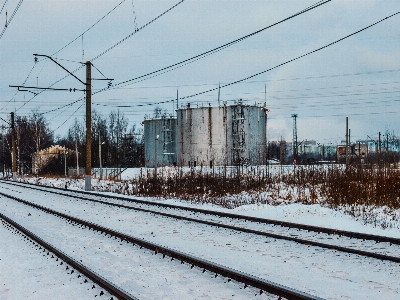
[
  {"x": 372, "y": 220},
  {"x": 27, "y": 273},
  {"x": 321, "y": 272},
  {"x": 138, "y": 271}
]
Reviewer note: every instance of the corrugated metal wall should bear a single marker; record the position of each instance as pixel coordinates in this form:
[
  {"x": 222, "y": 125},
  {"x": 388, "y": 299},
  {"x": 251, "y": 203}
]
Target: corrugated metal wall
[
  {"x": 221, "y": 135},
  {"x": 161, "y": 149}
]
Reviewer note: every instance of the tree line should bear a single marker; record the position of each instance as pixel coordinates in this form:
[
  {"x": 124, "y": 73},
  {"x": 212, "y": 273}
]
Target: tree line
[{"x": 120, "y": 145}]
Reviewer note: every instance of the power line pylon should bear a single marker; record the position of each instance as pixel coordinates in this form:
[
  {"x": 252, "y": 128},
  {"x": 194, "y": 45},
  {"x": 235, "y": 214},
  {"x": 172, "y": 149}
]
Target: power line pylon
[{"x": 294, "y": 142}]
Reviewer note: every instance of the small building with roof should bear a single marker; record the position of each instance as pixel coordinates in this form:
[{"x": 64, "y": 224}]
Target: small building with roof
[{"x": 43, "y": 157}]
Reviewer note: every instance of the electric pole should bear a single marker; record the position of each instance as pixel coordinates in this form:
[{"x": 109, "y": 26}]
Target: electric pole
[
  {"x": 88, "y": 90},
  {"x": 13, "y": 155},
  {"x": 65, "y": 162},
  {"x": 77, "y": 157},
  {"x": 347, "y": 141},
  {"x": 100, "y": 163},
  {"x": 88, "y": 166},
  {"x": 379, "y": 144},
  {"x": 294, "y": 146},
  {"x": 155, "y": 153}
]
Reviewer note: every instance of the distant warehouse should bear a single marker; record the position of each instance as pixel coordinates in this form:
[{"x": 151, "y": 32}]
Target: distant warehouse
[{"x": 207, "y": 136}]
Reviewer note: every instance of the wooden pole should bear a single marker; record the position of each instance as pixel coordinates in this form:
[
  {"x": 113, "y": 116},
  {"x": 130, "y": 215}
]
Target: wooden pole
[
  {"x": 88, "y": 166},
  {"x": 13, "y": 148}
]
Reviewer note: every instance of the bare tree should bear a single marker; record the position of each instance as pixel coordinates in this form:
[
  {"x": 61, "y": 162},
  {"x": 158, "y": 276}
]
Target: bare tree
[{"x": 117, "y": 125}]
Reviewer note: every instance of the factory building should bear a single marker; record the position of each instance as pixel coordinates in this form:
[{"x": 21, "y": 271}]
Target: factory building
[
  {"x": 207, "y": 136},
  {"x": 222, "y": 135},
  {"x": 159, "y": 140}
]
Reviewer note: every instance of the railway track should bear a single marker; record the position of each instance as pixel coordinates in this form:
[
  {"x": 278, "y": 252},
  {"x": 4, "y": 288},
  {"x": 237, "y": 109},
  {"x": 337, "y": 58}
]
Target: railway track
[
  {"x": 379, "y": 247},
  {"x": 68, "y": 260},
  {"x": 202, "y": 264}
]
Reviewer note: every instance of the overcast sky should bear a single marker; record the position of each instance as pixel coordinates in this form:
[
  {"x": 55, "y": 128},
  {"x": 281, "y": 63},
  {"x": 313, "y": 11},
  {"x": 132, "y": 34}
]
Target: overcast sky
[{"x": 357, "y": 77}]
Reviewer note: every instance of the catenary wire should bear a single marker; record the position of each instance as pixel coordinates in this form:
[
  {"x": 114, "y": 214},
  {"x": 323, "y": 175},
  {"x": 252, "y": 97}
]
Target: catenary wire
[
  {"x": 274, "y": 80},
  {"x": 212, "y": 51},
  {"x": 136, "y": 30},
  {"x": 289, "y": 97},
  {"x": 103, "y": 17},
  {"x": 277, "y": 66},
  {"x": 69, "y": 42},
  {"x": 294, "y": 59},
  {"x": 109, "y": 49},
  {"x": 11, "y": 17},
  {"x": 68, "y": 118},
  {"x": 66, "y": 105},
  {"x": 26, "y": 79},
  {"x": 282, "y": 105},
  {"x": 59, "y": 113},
  {"x": 5, "y": 2}
]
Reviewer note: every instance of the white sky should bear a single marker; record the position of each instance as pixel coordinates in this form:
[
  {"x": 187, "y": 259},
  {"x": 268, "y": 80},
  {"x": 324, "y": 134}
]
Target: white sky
[{"x": 357, "y": 77}]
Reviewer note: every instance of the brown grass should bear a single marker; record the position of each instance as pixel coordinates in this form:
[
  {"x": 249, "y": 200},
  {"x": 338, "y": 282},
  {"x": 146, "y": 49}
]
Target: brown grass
[{"x": 335, "y": 185}]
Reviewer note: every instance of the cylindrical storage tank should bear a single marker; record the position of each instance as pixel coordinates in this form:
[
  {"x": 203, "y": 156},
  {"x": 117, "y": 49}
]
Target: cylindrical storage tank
[
  {"x": 223, "y": 135},
  {"x": 159, "y": 141}
]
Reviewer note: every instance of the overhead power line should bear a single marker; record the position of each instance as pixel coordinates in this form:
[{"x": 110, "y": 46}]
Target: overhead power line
[
  {"x": 217, "y": 49},
  {"x": 26, "y": 79},
  {"x": 137, "y": 30},
  {"x": 277, "y": 66},
  {"x": 66, "y": 44},
  {"x": 272, "y": 80},
  {"x": 338, "y": 115},
  {"x": 66, "y": 105},
  {"x": 287, "y": 97},
  {"x": 11, "y": 17},
  {"x": 283, "y": 105},
  {"x": 59, "y": 113},
  {"x": 333, "y": 105},
  {"x": 68, "y": 117},
  {"x": 294, "y": 59},
  {"x": 5, "y": 2},
  {"x": 104, "y": 52},
  {"x": 79, "y": 36}
]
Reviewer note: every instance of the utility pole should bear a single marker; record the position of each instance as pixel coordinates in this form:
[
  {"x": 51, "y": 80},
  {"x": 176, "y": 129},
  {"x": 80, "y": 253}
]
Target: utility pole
[
  {"x": 219, "y": 93},
  {"x": 177, "y": 99},
  {"x": 77, "y": 157},
  {"x": 101, "y": 167},
  {"x": 379, "y": 143},
  {"x": 88, "y": 90},
  {"x": 4, "y": 159},
  {"x": 294, "y": 146},
  {"x": 13, "y": 155},
  {"x": 88, "y": 166},
  {"x": 65, "y": 162},
  {"x": 347, "y": 141},
  {"x": 350, "y": 148},
  {"x": 155, "y": 153}
]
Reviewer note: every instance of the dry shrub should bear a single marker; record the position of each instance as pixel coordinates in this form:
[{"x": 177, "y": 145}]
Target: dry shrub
[{"x": 332, "y": 185}]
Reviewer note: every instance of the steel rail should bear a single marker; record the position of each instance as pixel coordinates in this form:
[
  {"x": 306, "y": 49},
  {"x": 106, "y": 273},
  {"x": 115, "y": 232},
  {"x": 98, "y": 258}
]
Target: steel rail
[
  {"x": 98, "y": 279},
  {"x": 247, "y": 230},
  {"x": 247, "y": 279},
  {"x": 351, "y": 234}
]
